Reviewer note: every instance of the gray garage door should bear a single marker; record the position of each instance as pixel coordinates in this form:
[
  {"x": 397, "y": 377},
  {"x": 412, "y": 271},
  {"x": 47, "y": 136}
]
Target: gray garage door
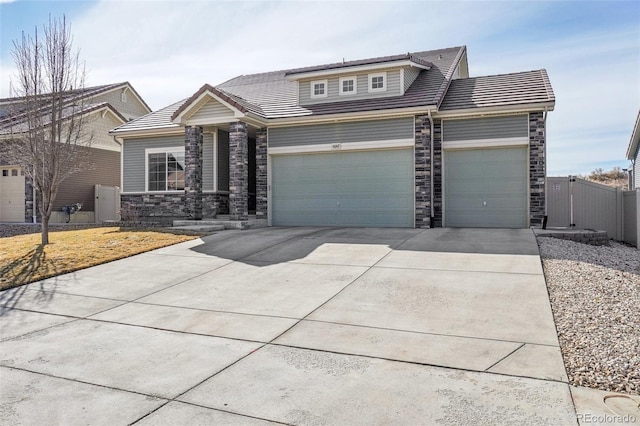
[
  {"x": 343, "y": 189},
  {"x": 486, "y": 188}
]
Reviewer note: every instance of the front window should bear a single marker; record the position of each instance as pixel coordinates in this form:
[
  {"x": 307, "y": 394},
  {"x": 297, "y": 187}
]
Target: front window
[
  {"x": 166, "y": 171},
  {"x": 319, "y": 89},
  {"x": 377, "y": 82},
  {"x": 348, "y": 86}
]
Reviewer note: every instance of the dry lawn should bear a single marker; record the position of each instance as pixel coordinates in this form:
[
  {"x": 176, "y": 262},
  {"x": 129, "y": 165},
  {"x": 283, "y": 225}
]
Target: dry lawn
[{"x": 23, "y": 260}]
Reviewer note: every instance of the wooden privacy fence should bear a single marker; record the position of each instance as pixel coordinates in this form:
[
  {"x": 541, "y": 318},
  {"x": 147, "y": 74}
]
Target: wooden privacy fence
[
  {"x": 107, "y": 203},
  {"x": 574, "y": 202}
]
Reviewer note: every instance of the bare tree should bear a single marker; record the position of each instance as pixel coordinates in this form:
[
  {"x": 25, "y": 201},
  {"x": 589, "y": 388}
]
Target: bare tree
[{"x": 49, "y": 136}]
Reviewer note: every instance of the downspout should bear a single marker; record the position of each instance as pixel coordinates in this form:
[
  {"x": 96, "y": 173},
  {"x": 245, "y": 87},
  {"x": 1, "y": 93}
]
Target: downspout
[
  {"x": 432, "y": 175},
  {"x": 544, "y": 120}
]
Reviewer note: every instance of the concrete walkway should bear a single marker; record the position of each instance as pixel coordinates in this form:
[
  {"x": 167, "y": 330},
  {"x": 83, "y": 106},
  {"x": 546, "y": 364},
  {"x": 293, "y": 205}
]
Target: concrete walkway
[{"x": 292, "y": 325}]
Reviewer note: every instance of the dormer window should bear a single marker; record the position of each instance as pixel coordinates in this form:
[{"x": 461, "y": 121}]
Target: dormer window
[
  {"x": 378, "y": 82},
  {"x": 348, "y": 86},
  {"x": 319, "y": 89}
]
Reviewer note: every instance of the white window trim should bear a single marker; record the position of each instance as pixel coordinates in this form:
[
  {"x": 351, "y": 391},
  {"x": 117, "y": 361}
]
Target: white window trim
[
  {"x": 148, "y": 151},
  {"x": 384, "y": 82},
  {"x": 326, "y": 89},
  {"x": 355, "y": 85}
]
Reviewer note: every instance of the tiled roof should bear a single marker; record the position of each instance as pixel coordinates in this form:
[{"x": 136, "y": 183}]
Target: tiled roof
[
  {"x": 9, "y": 126},
  {"x": 427, "y": 89},
  {"x": 160, "y": 119},
  {"x": 528, "y": 87},
  {"x": 12, "y": 109},
  {"x": 372, "y": 61},
  {"x": 277, "y": 97},
  {"x": 272, "y": 95}
]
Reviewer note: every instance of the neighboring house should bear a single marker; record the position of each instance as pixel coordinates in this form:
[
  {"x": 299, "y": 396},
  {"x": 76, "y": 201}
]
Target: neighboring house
[
  {"x": 105, "y": 107},
  {"x": 400, "y": 141},
  {"x": 633, "y": 154}
]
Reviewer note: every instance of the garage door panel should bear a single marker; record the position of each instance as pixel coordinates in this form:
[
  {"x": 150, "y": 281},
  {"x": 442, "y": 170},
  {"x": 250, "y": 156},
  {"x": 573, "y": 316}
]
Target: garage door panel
[
  {"x": 373, "y": 188},
  {"x": 486, "y": 188}
]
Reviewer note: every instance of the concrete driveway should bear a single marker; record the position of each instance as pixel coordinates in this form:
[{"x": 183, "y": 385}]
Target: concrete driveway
[{"x": 292, "y": 325}]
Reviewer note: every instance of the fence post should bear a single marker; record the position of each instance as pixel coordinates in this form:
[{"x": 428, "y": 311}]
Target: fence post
[
  {"x": 96, "y": 205},
  {"x": 619, "y": 215},
  {"x": 572, "y": 223}
]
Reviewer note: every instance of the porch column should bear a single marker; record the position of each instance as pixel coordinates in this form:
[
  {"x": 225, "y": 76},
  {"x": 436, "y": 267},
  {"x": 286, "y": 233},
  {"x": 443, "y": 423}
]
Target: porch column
[
  {"x": 261, "y": 174},
  {"x": 238, "y": 171},
  {"x": 422, "y": 171},
  {"x": 193, "y": 172}
]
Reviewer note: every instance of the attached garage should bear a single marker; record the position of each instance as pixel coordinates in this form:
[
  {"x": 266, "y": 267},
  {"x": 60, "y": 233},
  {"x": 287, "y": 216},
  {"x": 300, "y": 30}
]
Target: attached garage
[
  {"x": 486, "y": 172},
  {"x": 486, "y": 188},
  {"x": 11, "y": 194},
  {"x": 358, "y": 188}
]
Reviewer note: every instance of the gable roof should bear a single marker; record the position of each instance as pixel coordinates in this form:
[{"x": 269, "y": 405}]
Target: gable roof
[
  {"x": 12, "y": 110},
  {"x": 9, "y": 126},
  {"x": 522, "y": 88},
  {"x": 632, "y": 149},
  {"x": 86, "y": 93},
  {"x": 274, "y": 95},
  {"x": 160, "y": 119}
]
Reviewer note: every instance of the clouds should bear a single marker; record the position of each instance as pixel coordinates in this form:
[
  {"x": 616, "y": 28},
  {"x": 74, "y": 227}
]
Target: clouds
[{"x": 167, "y": 50}]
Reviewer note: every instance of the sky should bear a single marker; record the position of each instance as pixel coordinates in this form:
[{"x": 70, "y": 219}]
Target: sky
[{"x": 168, "y": 49}]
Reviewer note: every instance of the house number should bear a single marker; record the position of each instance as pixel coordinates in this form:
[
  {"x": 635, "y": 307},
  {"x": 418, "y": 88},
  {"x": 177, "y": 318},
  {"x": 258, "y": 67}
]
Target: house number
[{"x": 336, "y": 146}]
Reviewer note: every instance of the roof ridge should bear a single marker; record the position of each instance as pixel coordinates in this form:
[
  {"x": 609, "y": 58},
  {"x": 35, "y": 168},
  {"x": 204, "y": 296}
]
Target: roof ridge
[
  {"x": 408, "y": 54},
  {"x": 444, "y": 87}
]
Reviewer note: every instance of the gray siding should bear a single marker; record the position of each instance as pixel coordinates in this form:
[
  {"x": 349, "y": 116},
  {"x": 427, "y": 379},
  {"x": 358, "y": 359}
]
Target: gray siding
[
  {"x": 134, "y": 159},
  {"x": 410, "y": 75},
  {"x": 79, "y": 188},
  {"x": 486, "y": 128},
  {"x": 207, "y": 162},
  {"x": 359, "y": 131},
  {"x": 212, "y": 108},
  {"x": 333, "y": 94},
  {"x": 223, "y": 160}
]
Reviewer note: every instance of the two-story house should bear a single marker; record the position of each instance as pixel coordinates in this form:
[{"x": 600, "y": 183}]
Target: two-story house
[
  {"x": 399, "y": 141},
  {"x": 104, "y": 107}
]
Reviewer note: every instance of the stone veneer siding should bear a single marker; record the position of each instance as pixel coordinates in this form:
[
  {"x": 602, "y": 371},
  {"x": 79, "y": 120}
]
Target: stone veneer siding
[
  {"x": 159, "y": 209},
  {"x": 193, "y": 172},
  {"x": 214, "y": 204},
  {"x": 437, "y": 173},
  {"x": 422, "y": 158},
  {"x": 261, "y": 174},
  {"x": 238, "y": 171},
  {"x": 537, "y": 168}
]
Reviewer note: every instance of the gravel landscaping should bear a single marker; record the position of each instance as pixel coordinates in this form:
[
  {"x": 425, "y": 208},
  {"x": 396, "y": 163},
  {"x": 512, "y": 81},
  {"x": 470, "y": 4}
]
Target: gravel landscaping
[{"x": 595, "y": 298}]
